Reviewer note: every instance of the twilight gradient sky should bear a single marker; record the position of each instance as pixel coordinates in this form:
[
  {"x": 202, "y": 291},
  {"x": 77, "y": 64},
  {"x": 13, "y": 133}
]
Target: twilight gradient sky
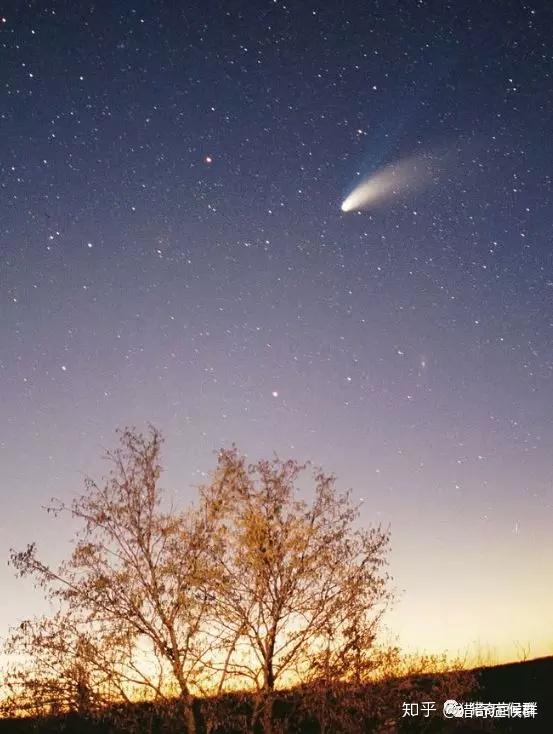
[{"x": 172, "y": 250}]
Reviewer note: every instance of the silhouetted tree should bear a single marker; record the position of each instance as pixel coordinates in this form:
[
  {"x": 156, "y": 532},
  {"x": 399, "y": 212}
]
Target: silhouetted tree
[
  {"x": 302, "y": 585},
  {"x": 55, "y": 671},
  {"x": 259, "y": 586},
  {"x": 138, "y": 579}
]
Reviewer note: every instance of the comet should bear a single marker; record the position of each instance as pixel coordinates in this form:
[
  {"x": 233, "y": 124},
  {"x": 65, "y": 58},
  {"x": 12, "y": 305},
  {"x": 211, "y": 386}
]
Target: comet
[{"x": 394, "y": 181}]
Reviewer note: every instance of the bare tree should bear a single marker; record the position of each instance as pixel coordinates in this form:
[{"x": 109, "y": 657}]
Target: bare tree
[
  {"x": 302, "y": 586},
  {"x": 54, "y": 671},
  {"x": 138, "y": 579},
  {"x": 254, "y": 588}
]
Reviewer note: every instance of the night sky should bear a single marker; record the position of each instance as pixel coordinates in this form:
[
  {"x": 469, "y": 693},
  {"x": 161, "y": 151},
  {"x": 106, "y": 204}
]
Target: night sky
[{"x": 172, "y": 249}]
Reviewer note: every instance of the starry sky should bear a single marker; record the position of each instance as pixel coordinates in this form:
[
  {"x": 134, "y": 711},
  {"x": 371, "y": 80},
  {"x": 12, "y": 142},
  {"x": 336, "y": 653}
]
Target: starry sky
[{"x": 172, "y": 249}]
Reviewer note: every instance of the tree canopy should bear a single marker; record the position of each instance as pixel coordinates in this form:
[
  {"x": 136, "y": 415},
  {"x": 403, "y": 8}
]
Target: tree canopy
[{"x": 257, "y": 585}]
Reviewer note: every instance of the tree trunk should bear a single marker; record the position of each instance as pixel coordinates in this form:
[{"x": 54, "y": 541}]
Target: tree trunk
[
  {"x": 188, "y": 715},
  {"x": 268, "y": 712},
  {"x": 262, "y": 714},
  {"x": 268, "y": 688}
]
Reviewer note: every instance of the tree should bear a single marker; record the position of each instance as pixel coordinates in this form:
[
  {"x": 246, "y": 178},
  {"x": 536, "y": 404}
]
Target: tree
[
  {"x": 302, "y": 587},
  {"x": 138, "y": 579},
  {"x": 251, "y": 588},
  {"x": 55, "y": 670}
]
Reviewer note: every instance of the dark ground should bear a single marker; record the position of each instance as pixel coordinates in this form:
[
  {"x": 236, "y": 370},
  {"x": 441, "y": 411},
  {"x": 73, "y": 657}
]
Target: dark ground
[{"x": 529, "y": 681}]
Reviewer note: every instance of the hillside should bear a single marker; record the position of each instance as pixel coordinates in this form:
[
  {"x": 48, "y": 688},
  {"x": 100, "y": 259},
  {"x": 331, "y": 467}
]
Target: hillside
[{"x": 528, "y": 681}]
